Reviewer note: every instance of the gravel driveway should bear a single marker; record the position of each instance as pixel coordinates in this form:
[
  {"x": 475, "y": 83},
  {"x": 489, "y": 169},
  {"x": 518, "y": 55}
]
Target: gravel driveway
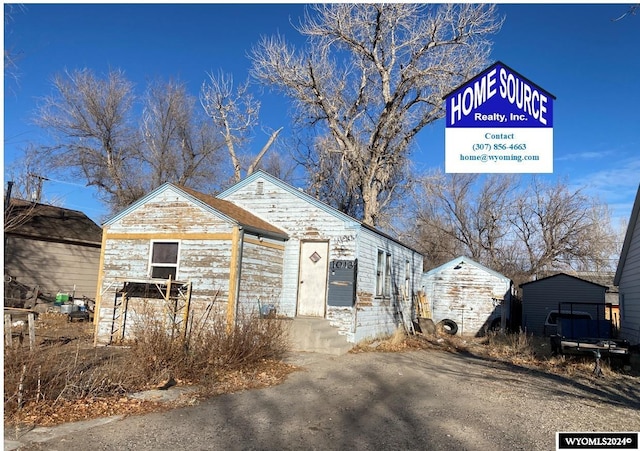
[{"x": 420, "y": 400}]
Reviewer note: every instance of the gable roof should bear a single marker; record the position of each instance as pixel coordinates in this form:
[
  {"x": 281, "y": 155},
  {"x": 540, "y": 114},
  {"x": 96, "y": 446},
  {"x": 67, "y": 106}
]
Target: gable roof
[
  {"x": 465, "y": 260},
  {"x": 51, "y": 223},
  {"x": 310, "y": 199},
  {"x": 566, "y": 275},
  {"x": 223, "y": 209},
  {"x": 633, "y": 223}
]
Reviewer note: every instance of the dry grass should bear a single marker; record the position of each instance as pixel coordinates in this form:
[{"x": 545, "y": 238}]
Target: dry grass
[
  {"x": 66, "y": 379},
  {"x": 517, "y": 349}
]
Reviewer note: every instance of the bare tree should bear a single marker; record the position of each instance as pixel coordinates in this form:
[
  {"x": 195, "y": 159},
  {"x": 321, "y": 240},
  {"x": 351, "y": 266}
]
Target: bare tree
[
  {"x": 517, "y": 231},
  {"x": 372, "y": 76},
  {"x": 473, "y": 217},
  {"x": 180, "y": 145},
  {"x": 91, "y": 120},
  {"x": 101, "y": 139},
  {"x": 561, "y": 229},
  {"x": 11, "y": 55},
  {"x": 235, "y": 114}
]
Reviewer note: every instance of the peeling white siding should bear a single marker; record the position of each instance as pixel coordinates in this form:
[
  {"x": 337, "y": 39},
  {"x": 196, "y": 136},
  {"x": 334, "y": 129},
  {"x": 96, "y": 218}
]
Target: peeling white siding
[
  {"x": 168, "y": 216},
  {"x": 468, "y": 295},
  {"x": 348, "y": 240}
]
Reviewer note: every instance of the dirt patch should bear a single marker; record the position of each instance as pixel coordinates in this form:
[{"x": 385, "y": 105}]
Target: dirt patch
[{"x": 75, "y": 339}]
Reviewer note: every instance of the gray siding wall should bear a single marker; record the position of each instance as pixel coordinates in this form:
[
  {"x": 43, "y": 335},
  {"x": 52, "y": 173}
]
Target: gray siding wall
[
  {"x": 378, "y": 316},
  {"x": 261, "y": 274},
  {"x": 53, "y": 266},
  {"x": 630, "y": 291},
  {"x": 543, "y": 296},
  {"x": 469, "y": 296}
]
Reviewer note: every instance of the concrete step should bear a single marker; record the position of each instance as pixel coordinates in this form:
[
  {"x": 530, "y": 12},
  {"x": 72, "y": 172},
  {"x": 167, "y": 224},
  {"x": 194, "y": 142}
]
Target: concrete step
[{"x": 317, "y": 335}]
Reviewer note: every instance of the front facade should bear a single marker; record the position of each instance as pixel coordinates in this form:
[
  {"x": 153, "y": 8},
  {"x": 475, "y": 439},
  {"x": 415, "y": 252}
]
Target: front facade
[
  {"x": 473, "y": 296},
  {"x": 541, "y": 302},
  {"x": 260, "y": 243},
  {"x": 219, "y": 259},
  {"x": 52, "y": 248},
  {"x": 357, "y": 278},
  {"x": 628, "y": 278}
]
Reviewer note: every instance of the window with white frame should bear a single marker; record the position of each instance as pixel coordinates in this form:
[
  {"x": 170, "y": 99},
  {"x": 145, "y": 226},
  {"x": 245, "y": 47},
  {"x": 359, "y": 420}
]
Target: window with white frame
[{"x": 164, "y": 259}]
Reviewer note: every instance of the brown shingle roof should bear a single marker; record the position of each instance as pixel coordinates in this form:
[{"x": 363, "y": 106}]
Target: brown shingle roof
[
  {"x": 52, "y": 223},
  {"x": 242, "y": 216}
]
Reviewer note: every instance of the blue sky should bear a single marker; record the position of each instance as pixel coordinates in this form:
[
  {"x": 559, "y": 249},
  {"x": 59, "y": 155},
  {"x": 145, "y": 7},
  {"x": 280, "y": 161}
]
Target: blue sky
[{"x": 574, "y": 51}]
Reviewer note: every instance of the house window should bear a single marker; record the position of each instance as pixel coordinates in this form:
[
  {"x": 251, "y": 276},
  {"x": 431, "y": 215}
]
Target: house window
[
  {"x": 380, "y": 274},
  {"x": 387, "y": 276},
  {"x": 164, "y": 259},
  {"x": 407, "y": 279},
  {"x": 383, "y": 274}
]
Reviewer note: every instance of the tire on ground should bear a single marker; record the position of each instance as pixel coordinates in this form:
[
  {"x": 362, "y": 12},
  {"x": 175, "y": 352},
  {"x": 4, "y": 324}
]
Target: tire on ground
[{"x": 448, "y": 326}]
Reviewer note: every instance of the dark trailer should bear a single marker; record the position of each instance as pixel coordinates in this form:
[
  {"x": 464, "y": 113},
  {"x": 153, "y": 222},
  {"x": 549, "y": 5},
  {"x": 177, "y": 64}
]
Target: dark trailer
[{"x": 584, "y": 328}]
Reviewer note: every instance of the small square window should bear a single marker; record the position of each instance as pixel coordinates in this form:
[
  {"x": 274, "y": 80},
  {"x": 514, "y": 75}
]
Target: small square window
[{"x": 164, "y": 259}]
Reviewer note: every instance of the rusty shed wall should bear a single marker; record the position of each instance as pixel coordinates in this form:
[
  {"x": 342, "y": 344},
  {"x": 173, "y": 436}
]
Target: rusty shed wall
[{"x": 470, "y": 296}]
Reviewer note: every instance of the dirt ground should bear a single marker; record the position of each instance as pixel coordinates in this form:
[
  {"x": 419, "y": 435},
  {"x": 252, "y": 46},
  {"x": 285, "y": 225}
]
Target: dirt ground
[
  {"x": 448, "y": 395},
  {"x": 424, "y": 399}
]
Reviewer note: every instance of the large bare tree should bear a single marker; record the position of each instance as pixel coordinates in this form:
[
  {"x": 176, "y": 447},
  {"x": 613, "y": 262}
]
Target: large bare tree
[
  {"x": 125, "y": 145},
  {"x": 371, "y": 77},
  {"x": 95, "y": 138},
  {"x": 181, "y": 145},
  {"x": 519, "y": 230}
]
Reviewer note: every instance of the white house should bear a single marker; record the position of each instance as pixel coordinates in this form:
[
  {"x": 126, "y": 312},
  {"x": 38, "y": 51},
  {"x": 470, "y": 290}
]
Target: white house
[
  {"x": 627, "y": 278},
  {"x": 260, "y": 242},
  {"x": 336, "y": 268}
]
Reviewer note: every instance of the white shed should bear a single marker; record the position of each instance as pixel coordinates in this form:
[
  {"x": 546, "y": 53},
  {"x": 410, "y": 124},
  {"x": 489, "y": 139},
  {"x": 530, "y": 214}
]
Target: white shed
[
  {"x": 628, "y": 278},
  {"x": 473, "y": 296}
]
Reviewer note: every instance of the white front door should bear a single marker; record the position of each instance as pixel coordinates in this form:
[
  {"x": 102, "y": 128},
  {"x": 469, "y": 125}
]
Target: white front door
[{"x": 312, "y": 281}]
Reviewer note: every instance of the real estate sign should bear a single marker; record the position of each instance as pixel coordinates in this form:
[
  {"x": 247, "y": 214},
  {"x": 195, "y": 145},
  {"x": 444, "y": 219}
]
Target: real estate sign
[{"x": 499, "y": 121}]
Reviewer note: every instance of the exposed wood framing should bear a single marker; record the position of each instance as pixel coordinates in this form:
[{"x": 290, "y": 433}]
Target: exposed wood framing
[
  {"x": 96, "y": 309},
  {"x": 234, "y": 275}
]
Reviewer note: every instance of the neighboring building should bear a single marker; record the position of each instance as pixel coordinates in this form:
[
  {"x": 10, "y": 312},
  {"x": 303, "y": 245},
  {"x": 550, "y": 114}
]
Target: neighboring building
[
  {"x": 52, "y": 248},
  {"x": 261, "y": 242},
  {"x": 475, "y": 297},
  {"x": 628, "y": 278},
  {"x": 541, "y": 299}
]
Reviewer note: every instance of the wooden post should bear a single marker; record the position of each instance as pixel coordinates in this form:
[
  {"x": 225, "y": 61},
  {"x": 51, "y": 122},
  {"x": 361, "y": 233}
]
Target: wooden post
[
  {"x": 32, "y": 331},
  {"x": 234, "y": 276},
  {"x": 7, "y": 329}
]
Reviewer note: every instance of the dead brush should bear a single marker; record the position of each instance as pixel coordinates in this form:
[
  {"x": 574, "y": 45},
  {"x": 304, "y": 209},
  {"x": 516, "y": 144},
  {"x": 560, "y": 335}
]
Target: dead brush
[
  {"x": 208, "y": 349},
  {"x": 517, "y": 347},
  {"x": 50, "y": 374}
]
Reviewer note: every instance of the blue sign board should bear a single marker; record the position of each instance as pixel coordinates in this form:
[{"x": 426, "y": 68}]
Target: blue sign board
[{"x": 499, "y": 97}]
